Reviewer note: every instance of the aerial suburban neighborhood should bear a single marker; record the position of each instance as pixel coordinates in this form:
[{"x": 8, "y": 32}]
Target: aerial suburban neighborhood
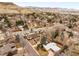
[{"x": 37, "y": 31}]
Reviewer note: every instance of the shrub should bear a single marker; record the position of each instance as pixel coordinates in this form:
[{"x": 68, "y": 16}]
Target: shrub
[
  {"x": 19, "y": 22},
  {"x": 60, "y": 21},
  {"x": 70, "y": 34},
  {"x": 7, "y": 21},
  {"x": 73, "y": 20},
  {"x": 49, "y": 20},
  {"x": 25, "y": 26},
  {"x": 70, "y": 25}
]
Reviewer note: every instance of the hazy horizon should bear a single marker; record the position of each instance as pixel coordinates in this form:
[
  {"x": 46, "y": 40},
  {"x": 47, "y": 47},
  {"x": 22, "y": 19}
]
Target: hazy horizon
[{"x": 69, "y": 5}]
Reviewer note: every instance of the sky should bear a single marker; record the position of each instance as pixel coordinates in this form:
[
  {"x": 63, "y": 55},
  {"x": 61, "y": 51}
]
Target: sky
[{"x": 72, "y": 5}]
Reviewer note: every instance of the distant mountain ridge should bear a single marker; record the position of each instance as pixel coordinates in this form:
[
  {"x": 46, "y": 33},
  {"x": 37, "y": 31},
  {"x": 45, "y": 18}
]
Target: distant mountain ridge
[
  {"x": 55, "y": 10},
  {"x": 12, "y": 8}
]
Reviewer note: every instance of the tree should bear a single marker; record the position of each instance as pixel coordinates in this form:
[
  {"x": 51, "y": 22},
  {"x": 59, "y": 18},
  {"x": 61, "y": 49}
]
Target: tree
[
  {"x": 70, "y": 34},
  {"x": 25, "y": 26},
  {"x": 1, "y": 26},
  {"x": 54, "y": 34},
  {"x": 60, "y": 21},
  {"x": 73, "y": 20},
  {"x": 17, "y": 38},
  {"x": 43, "y": 40},
  {"x": 49, "y": 20},
  {"x": 19, "y": 22},
  {"x": 70, "y": 25},
  {"x": 62, "y": 36},
  {"x": 7, "y": 21}
]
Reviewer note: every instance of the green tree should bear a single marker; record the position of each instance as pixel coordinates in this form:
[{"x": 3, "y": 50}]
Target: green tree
[
  {"x": 19, "y": 22},
  {"x": 43, "y": 40},
  {"x": 7, "y": 21},
  {"x": 54, "y": 34}
]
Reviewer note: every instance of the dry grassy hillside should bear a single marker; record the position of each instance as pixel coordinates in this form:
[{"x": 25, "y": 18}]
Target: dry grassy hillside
[{"x": 8, "y": 7}]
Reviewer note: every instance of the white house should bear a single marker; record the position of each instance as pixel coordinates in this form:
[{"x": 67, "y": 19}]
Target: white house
[{"x": 52, "y": 46}]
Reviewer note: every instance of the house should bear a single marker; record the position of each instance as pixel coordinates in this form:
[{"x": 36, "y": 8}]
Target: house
[{"x": 52, "y": 46}]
